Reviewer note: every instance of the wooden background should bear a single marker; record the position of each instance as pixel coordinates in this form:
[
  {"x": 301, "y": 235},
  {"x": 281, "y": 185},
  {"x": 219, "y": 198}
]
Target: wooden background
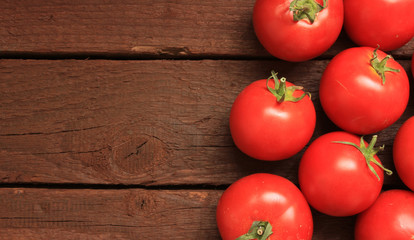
[{"x": 114, "y": 116}]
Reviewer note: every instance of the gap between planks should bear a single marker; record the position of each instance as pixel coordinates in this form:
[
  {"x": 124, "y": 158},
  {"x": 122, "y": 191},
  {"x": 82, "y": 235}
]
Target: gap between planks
[
  {"x": 131, "y": 56},
  {"x": 79, "y": 186},
  {"x": 75, "y": 186}
]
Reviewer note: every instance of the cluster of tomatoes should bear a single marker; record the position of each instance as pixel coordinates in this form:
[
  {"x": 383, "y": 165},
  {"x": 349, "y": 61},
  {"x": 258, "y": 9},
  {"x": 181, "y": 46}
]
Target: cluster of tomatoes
[{"x": 362, "y": 90}]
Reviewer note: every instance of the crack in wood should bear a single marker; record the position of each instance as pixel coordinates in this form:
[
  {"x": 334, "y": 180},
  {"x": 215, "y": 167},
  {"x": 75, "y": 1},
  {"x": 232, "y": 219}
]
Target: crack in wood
[
  {"x": 138, "y": 149},
  {"x": 19, "y": 218},
  {"x": 115, "y": 225},
  {"x": 139, "y": 154},
  {"x": 64, "y": 152},
  {"x": 50, "y": 133}
]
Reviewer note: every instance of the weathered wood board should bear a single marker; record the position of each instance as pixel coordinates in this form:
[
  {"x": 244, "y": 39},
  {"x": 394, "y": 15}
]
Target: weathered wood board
[
  {"x": 161, "y": 28},
  {"x": 138, "y": 122}
]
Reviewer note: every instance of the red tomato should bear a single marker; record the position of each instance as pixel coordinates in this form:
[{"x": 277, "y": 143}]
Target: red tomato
[
  {"x": 335, "y": 177},
  {"x": 403, "y": 152},
  {"x": 390, "y": 217},
  {"x": 354, "y": 95},
  {"x": 266, "y": 129},
  {"x": 297, "y": 40},
  {"x": 389, "y": 24},
  {"x": 264, "y": 197}
]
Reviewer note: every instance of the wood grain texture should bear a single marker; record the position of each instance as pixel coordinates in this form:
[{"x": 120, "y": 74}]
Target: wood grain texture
[
  {"x": 107, "y": 214},
  {"x": 125, "y": 214},
  {"x": 140, "y": 122},
  {"x": 163, "y": 28}
]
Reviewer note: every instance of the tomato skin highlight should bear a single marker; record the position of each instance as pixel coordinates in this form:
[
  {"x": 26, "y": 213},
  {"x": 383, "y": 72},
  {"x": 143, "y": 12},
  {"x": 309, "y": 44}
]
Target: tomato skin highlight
[
  {"x": 353, "y": 96},
  {"x": 296, "y": 41},
  {"x": 389, "y": 24},
  {"x": 264, "y": 197},
  {"x": 335, "y": 178},
  {"x": 403, "y": 152},
  {"x": 267, "y": 130},
  {"x": 390, "y": 217}
]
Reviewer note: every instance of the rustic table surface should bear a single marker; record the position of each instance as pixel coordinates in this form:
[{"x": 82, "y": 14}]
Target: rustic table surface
[{"x": 114, "y": 116}]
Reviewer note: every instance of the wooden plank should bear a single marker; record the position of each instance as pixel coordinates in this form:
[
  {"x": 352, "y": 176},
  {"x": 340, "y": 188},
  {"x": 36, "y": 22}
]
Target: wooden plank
[
  {"x": 107, "y": 214},
  {"x": 125, "y": 214},
  {"x": 136, "y": 28},
  {"x": 139, "y": 122}
]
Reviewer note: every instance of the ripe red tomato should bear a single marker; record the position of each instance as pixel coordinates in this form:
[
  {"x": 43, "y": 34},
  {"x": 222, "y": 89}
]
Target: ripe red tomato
[
  {"x": 266, "y": 128},
  {"x": 390, "y": 217},
  {"x": 264, "y": 197},
  {"x": 297, "y": 40},
  {"x": 335, "y": 177},
  {"x": 354, "y": 95},
  {"x": 402, "y": 152},
  {"x": 389, "y": 24}
]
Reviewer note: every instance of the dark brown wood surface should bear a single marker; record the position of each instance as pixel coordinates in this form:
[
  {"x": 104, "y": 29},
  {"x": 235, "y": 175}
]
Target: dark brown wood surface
[
  {"x": 165, "y": 28},
  {"x": 114, "y": 117}
]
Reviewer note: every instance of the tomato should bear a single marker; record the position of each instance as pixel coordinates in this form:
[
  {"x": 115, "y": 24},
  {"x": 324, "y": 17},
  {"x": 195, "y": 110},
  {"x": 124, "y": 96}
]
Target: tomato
[
  {"x": 285, "y": 30},
  {"x": 361, "y": 92},
  {"x": 335, "y": 177},
  {"x": 389, "y": 24},
  {"x": 402, "y": 152},
  {"x": 266, "y": 128},
  {"x": 267, "y": 198},
  {"x": 390, "y": 217}
]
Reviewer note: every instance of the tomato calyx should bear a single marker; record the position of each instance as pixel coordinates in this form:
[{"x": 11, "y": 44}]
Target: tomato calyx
[
  {"x": 259, "y": 230},
  {"x": 283, "y": 93},
  {"x": 306, "y": 9},
  {"x": 369, "y": 153},
  {"x": 380, "y": 66}
]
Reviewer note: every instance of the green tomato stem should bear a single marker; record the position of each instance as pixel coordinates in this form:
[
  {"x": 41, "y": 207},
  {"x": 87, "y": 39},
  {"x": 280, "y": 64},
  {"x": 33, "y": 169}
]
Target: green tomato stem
[
  {"x": 369, "y": 153},
  {"x": 259, "y": 230},
  {"x": 306, "y": 9},
  {"x": 380, "y": 66},
  {"x": 283, "y": 93}
]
